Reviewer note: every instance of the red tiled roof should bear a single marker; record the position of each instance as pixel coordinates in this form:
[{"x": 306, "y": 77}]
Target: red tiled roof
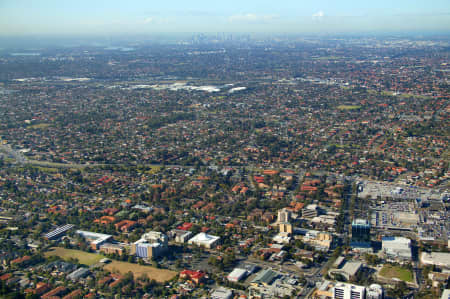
[
  {"x": 192, "y": 274},
  {"x": 54, "y": 292},
  {"x": 74, "y": 294},
  {"x": 20, "y": 260},
  {"x": 5, "y": 276},
  {"x": 185, "y": 226}
]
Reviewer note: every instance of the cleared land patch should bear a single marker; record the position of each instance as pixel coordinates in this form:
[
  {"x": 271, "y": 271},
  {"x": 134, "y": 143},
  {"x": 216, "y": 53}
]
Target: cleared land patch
[
  {"x": 390, "y": 271},
  {"x": 39, "y": 126},
  {"x": 153, "y": 169},
  {"x": 160, "y": 275},
  {"x": 85, "y": 258},
  {"x": 348, "y": 107}
]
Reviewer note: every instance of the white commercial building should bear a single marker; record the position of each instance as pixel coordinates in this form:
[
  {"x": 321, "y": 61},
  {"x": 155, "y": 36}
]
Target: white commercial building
[
  {"x": 440, "y": 259},
  {"x": 348, "y": 270},
  {"x": 320, "y": 240},
  {"x": 205, "y": 240},
  {"x": 446, "y": 294},
  {"x": 237, "y": 274},
  {"x": 180, "y": 236},
  {"x": 282, "y": 238},
  {"x": 222, "y": 293},
  {"x": 96, "y": 239},
  {"x": 397, "y": 248},
  {"x": 348, "y": 291},
  {"x": 151, "y": 244},
  {"x": 375, "y": 291}
]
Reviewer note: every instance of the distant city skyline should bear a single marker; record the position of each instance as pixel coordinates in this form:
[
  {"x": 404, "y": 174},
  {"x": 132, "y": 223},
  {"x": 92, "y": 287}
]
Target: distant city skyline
[{"x": 82, "y": 17}]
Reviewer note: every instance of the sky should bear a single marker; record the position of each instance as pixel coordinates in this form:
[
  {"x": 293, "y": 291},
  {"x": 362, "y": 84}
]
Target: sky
[{"x": 97, "y": 17}]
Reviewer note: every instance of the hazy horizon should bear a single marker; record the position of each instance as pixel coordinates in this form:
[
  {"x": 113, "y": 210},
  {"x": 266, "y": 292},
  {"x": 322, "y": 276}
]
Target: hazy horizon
[{"x": 93, "y": 18}]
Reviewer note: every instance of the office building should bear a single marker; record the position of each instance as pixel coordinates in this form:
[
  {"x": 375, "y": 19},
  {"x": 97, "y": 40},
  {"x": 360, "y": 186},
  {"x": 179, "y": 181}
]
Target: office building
[
  {"x": 284, "y": 215},
  {"x": 375, "y": 291},
  {"x": 285, "y": 227},
  {"x": 347, "y": 269},
  {"x": 151, "y": 244},
  {"x": 360, "y": 233},
  {"x": 310, "y": 211},
  {"x": 322, "y": 241},
  {"x": 179, "y": 235},
  {"x": 348, "y": 291},
  {"x": 109, "y": 248}
]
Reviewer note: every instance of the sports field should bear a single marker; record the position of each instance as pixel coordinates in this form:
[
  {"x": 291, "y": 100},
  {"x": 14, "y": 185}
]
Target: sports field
[
  {"x": 85, "y": 258},
  {"x": 390, "y": 271},
  {"x": 160, "y": 275}
]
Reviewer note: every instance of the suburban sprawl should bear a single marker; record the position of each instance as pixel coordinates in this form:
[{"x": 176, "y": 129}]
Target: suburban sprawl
[{"x": 226, "y": 166}]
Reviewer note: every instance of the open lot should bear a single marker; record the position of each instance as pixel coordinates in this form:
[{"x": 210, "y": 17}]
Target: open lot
[
  {"x": 39, "y": 126},
  {"x": 160, "y": 275},
  {"x": 153, "y": 169},
  {"x": 390, "y": 271},
  {"x": 348, "y": 107},
  {"x": 83, "y": 257}
]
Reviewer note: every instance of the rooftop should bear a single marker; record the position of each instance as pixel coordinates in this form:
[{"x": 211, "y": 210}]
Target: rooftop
[
  {"x": 360, "y": 221},
  {"x": 266, "y": 276},
  {"x": 204, "y": 238},
  {"x": 95, "y": 237},
  {"x": 441, "y": 259},
  {"x": 222, "y": 293}
]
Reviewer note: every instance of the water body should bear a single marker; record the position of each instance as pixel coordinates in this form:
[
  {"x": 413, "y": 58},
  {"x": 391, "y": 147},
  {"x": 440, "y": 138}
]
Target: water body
[
  {"x": 26, "y": 54},
  {"x": 123, "y": 49}
]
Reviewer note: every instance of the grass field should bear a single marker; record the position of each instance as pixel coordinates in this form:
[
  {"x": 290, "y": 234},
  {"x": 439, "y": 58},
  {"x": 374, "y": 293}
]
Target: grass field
[
  {"x": 348, "y": 107},
  {"x": 154, "y": 169},
  {"x": 47, "y": 164},
  {"x": 48, "y": 169},
  {"x": 83, "y": 257},
  {"x": 39, "y": 126},
  {"x": 160, "y": 275},
  {"x": 390, "y": 271}
]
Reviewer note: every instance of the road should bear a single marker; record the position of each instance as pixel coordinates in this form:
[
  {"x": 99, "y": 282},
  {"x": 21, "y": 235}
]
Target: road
[{"x": 418, "y": 274}]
